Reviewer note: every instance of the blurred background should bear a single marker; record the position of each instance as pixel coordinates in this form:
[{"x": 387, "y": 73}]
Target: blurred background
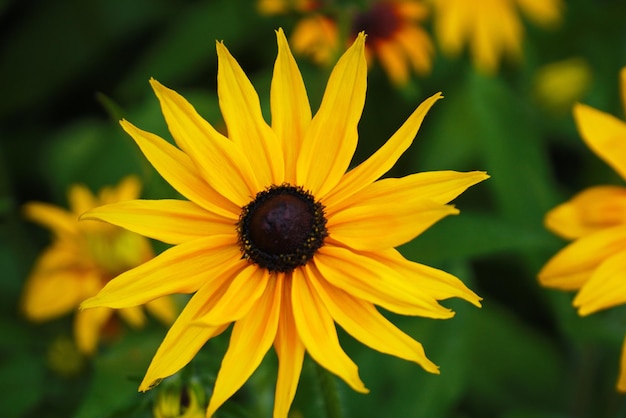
[{"x": 70, "y": 69}]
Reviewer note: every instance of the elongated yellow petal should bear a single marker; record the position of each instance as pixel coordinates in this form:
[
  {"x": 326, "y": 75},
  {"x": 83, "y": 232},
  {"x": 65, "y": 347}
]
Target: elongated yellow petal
[
  {"x": 235, "y": 179},
  {"x": 251, "y": 338},
  {"x": 361, "y": 320},
  {"x": 331, "y": 139},
  {"x": 418, "y": 48},
  {"x": 383, "y": 159},
  {"x": 434, "y": 282},
  {"x": 604, "y": 134},
  {"x": 605, "y": 288},
  {"x": 180, "y": 269},
  {"x": 366, "y": 278},
  {"x": 317, "y": 330},
  {"x": 60, "y": 221},
  {"x": 366, "y": 226},
  {"x": 87, "y": 326},
  {"x": 128, "y": 188},
  {"x": 170, "y": 221},
  {"x": 290, "y": 351},
  {"x": 589, "y": 211},
  {"x": 574, "y": 264},
  {"x": 241, "y": 110},
  {"x": 291, "y": 112},
  {"x": 394, "y": 61},
  {"x": 179, "y": 170},
  {"x": 437, "y": 186},
  {"x": 184, "y": 340},
  {"x": 243, "y": 293}
]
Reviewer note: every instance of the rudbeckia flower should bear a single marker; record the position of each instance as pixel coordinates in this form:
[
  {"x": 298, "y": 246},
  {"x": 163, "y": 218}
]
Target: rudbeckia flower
[
  {"x": 395, "y": 37},
  {"x": 594, "y": 264},
  {"x": 82, "y": 258},
  {"x": 491, "y": 28},
  {"x": 277, "y": 238}
]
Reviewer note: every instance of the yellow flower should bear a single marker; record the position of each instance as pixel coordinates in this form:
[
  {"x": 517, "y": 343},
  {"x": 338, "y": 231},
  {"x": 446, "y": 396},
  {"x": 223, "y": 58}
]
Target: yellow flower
[
  {"x": 492, "y": 28},
  {"x": 276, "y": 237},
  {"x": 558, "y": 85},
  {"x": 395, "y": 37},
  {"x": 82, "y": 258},
  {"x": 595, "y": 262}
]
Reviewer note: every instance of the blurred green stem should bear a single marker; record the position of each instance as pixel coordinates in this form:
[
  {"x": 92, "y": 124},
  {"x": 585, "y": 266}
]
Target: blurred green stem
[{"x": 330, "y": 395}]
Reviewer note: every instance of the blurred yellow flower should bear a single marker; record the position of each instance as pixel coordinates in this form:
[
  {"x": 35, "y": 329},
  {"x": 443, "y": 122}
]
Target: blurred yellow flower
[
  {"x": 492, "y": 28},
  {"x": 595, "y": 262},
  {"x": 82, "y": 258},
  {"x": 559, "y": 84},
  {"x": 276, "y": 238},
  {"x": 395, "y": 37},
  {"x": 272, "y": 7}
]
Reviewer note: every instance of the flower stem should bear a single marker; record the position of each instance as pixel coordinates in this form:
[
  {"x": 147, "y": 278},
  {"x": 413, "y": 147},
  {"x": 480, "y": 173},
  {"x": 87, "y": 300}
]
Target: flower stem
[{"x": 330, "y": 394}]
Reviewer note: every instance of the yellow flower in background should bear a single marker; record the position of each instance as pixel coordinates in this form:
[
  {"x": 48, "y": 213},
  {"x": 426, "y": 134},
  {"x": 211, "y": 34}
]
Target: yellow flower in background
[
  {"x": 273, "y": 7},
  {"x": 395, "y": 37},
  {"x": 276, "y": 237},
  {"x": 491, "y": 28},
  {"x": 595, "y": 262},
  {"x": 82, "y": 258}
]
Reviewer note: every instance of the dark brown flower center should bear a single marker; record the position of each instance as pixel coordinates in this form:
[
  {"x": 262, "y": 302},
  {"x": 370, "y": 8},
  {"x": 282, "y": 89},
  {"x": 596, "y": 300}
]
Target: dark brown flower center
[
  {"x": 380, "y": 22},
  {"x": 281, "y": 228}
]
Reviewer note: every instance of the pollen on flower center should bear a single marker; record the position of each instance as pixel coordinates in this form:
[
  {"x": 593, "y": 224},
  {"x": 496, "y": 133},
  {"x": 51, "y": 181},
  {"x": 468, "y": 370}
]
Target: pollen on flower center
[{"x": 281, "y": 228}]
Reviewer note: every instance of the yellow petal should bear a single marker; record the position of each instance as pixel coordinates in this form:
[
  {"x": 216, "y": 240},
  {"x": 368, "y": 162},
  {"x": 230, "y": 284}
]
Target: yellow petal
[
  {"x": 437, "y": 186},
  {"x": 605, "y": 288},
  {"x": 252, "y": 336},
  {"x": 163, "y": 309},
  {"x": 183, "y": 340},
  {"x": 316, "y": 329},
  {"x": 604, "y": 134},
  {"x": 589, "y": 211},
  {"x": 546, "y": 13},
  {"x": 80, "y": 199},
  {"x": 376, "y": 226},
  {"x": 180, "y": 269},
  {"x": 331, "y": 139},
  {"x": 383, "y": 159},
  {"x": 574, "y": 264},
  {"x": 50, "y": 293},
  {"x": 179, "y": 171},
  {"x": 418, "y": 48},
  {"x": 291, "y": 112},
  {"x": 394, "y": 61},
  {"x": 241, "y": 110},
  {"x": 60, "y": 221},
  {"x": 434, "y": 282},
  {"x": 366, "y": 278},
  {"x": 170, "y": 221},
  {"x": 87, "y": 327},
  {"x": 243, "y": 293},
  {"x": 621, "y": 382},
  {"x": 235, "y": 179},
  {"x": 133, "y": 316},
  {"x": 290, "y": 351},
  {"x": 361, "y": 320}
]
